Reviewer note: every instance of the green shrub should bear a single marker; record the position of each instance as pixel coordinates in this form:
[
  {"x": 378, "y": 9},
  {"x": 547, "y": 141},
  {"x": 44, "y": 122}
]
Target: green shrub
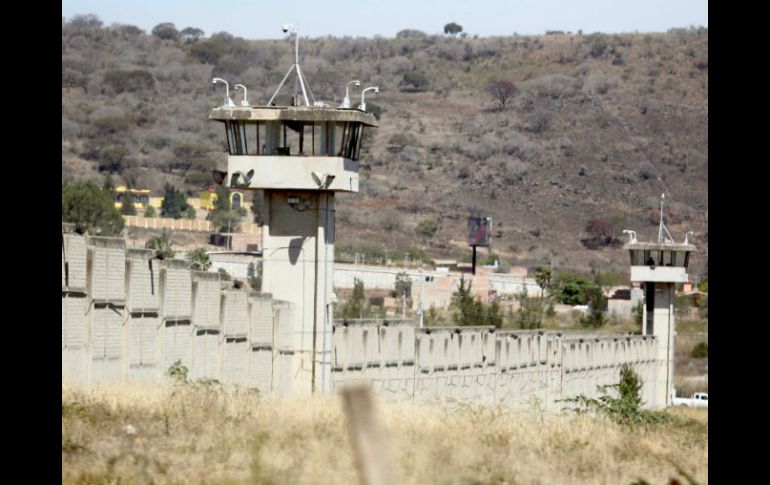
[
  {"x": 626, "y": 408},
  {"x": 700, "y": 351},
  {"x": 427, "y": 228}
]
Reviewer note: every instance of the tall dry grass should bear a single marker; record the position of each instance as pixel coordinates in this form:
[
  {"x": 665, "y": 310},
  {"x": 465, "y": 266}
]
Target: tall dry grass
[{"x": 129, "y": 434}]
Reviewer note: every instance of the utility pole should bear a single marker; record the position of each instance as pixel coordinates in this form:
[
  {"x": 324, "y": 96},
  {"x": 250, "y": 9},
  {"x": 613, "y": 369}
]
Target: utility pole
[{"x": 422, "y": 287}]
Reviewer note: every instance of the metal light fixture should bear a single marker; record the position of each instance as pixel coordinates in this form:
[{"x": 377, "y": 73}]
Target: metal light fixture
[
  {"x": 346, "y": 101},
  {"x": 228, "y": 102},
  {"x": 219, "y": 176},
  {"x": 362, "y": 106},
  {"x": 245, "y": 100}
]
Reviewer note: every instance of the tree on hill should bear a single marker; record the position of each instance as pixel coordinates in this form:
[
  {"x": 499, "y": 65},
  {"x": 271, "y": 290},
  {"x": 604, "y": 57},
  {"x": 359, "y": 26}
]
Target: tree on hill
[
  {"x": 411, "y": 34},
  {"x": 166, "y": 31},
  {"x": 90, "y": 207},
  {"x": 603, "y": 232},
  {"x": 174, "y": 202},
  {"x": 415, "y": 80},
  {"x": 191, "y": 34},
  {"x": 453, "y": 28},
  {"x": 502, "y": 90}
]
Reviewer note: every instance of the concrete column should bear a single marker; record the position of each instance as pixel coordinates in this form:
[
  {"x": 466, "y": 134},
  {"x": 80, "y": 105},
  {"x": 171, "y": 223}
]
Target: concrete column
[
  {"x": 298, "y": 259},
  {"x": 658, "y": 318}
]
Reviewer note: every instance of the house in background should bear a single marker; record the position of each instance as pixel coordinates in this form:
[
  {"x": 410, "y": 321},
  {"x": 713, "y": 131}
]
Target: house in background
[{"x": 140, "y": 197}]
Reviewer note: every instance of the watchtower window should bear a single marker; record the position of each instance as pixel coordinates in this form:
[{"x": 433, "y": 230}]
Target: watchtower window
[{"x": 292, "y": 137}]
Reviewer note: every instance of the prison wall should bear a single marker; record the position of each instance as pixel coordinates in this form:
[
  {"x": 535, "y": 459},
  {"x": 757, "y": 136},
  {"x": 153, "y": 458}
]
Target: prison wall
[
  {"x": 480, "y": 364},
  {"x": 127, "y": 314}
]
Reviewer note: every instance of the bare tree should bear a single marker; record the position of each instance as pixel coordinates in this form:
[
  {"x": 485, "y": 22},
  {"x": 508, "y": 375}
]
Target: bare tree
[{"x": 502, "y": 90}]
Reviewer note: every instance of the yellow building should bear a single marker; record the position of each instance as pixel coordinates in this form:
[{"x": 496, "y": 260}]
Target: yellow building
[
  {"x": 140, "y": 197},
  {"x": 209, "y": 197}
]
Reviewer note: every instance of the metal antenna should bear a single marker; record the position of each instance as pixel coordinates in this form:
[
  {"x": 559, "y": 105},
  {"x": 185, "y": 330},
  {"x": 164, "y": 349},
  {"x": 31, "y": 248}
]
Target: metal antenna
[
  {"x": 299, "y": 82},
  {"x": 662, "y": 227}
]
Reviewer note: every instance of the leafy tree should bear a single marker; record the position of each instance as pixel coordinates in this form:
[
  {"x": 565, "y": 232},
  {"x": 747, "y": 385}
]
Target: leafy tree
[
  {"x": 493, "y": 315},
  {"x": 530, "y": 313},
  {"x": 190, "y": 213},
  {"x": 165, "y": 31},
  {"x": 174, "y": 202},
  {"x": 453, "y": 28},
  {"x": 570, "y": 289},
  {"x": 603, "y": 232},
  {"x": 92, "y": 208},
  {"x": 254, "y": 275},
  {"x": 224, "y": 275},
  {"x": 150, "y": 211},
  {"x": 127, "y": 208},
  {"x": 354, "y": 307},
  {"x": 626, "y": 407},
  {"x": 191, "y": 34},
  {"x": 223, "y": 216},
  {"x": 543, "y": 278},
  {"x": 596, "y": 302},
  {"x": 700, "y": 351},
  {"x": 432, "y": 316},
  {"x": 403, "y": 286},
  {"x": 415, "y": 80},
  {"x": 704, "y": 285},
  {"x": 199, "y": 259},
  {"x": 161, "y": 244},
  {"x": 427, "y": 228},
  {"x": 502, "y": 90},
  {"x": 470, "y": 311},
  {"x": 109, "y": 185},
  {"x": 411, "y": 34},
  {"x": 131, "y": 81}
]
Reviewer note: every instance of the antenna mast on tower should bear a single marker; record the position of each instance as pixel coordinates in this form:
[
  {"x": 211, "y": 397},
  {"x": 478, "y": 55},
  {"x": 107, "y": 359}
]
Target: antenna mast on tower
[
  {"x": 662, "y": 227},
  {"x": 299, "y": 82}
]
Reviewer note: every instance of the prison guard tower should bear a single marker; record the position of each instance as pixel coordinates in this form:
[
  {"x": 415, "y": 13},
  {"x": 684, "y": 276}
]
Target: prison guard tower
[
  {"x": 300, "y": 155},
  {"x": 659, "y": 266}
]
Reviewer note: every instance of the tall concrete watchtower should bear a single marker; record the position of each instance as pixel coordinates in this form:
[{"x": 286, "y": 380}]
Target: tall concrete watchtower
[
  {"x": 301, "y": 155},
  {"x": 659, "y": 266}
]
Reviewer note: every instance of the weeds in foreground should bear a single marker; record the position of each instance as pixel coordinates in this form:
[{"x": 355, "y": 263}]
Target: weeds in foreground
[{"x": 626, "y": 408}]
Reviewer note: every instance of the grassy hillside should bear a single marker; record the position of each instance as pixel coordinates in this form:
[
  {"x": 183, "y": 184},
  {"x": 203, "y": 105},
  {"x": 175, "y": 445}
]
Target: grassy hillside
[{"x": 601, "y": 125}]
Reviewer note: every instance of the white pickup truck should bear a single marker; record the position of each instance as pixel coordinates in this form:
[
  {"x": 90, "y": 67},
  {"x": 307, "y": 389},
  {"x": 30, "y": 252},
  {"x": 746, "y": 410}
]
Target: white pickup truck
[{"x": 698, "y": 400}]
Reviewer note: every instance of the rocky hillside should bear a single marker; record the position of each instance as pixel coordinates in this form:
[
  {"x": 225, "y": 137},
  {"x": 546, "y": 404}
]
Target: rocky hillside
[{"x": 600, "y": 125}]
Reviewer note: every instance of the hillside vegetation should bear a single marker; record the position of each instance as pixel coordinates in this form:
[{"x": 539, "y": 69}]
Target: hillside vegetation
[{"x": 599, "y": 127}]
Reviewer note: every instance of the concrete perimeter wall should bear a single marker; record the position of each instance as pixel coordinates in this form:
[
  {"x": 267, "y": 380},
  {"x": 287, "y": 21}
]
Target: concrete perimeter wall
[
  {"x": 127, "y": 315},
  {"x": 479, "y": 364}
]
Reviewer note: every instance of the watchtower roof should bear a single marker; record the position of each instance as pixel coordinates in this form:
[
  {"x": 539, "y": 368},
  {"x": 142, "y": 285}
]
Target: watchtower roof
[
  {"x": 292, "y": 113},
  {"x": 664, "y": 246}
]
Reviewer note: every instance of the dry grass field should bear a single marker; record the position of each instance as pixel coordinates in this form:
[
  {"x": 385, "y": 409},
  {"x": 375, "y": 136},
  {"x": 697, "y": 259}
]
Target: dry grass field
[{"x": 197, "y": 435}]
